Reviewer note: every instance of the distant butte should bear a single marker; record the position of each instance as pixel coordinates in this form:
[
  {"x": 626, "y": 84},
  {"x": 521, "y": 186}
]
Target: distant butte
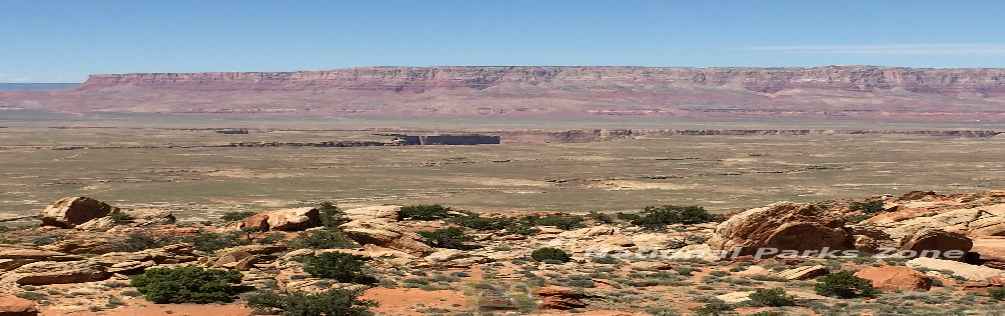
[{"x": 847, "y": 92}]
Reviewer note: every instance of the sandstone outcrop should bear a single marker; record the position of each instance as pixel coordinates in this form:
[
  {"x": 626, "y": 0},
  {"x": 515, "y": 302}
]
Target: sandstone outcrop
[
  {"x": 386, "y": 234},
  {"x": 893, "y": 278},
  {"x": 561, "y": 298},
  {"x": 72, "y": 211},
  {"x": 284, "y": 219},
  {"x": 51, "y": 272},
  {"x": 785, "y": 226},
  {"x": 966, "y": 271},
  {"x": 15, "y": 306}
]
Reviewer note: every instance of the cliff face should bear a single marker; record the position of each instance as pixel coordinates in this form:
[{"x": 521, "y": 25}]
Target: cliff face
[
  {"x": 551, "y": 92},
  {"x": 764, "y": 80}
]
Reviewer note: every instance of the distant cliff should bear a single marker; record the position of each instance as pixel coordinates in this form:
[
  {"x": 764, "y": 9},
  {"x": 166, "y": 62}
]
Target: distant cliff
[
  {"x": 764, "y": 80},
  {"x": 820, "y": 92}
]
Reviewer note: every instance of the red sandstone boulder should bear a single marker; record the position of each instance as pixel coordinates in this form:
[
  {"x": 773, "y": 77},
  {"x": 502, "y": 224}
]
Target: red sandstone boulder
[
  {"x": 15, "y": 306},
  {"x": 938, "y": 240},
  {"x": 291, "y": 219},
  {"x": 72, "y": 211},
  {"x": 561, "y": 298},
  {"x": 895, "y": 278},
  {"x": 784, "y": 225}
]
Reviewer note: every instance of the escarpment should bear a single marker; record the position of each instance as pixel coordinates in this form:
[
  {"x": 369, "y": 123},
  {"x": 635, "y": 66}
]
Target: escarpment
[{"x": 552, "y": 92}]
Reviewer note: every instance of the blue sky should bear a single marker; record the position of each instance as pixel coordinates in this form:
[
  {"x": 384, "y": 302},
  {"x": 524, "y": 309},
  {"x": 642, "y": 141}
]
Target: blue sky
[{"x": 63, "y": 41}]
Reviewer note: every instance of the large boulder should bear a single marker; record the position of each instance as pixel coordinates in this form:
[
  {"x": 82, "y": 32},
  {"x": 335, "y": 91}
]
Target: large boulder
[
  {"x": 72, "y": 211},
  {"x": 291, "y": 219},
  {"x": 15, "y": 306},
  {"x": 804, "y": 272},
  {"x": 894, "y": 278},
  {"x": 389, "y": 212},
  {"x": 52, "y": 272},
  {"x": 562, "y": 298},
  {"x": 12, "y": 256},
  {"x": 785, "y": 226},
  {"x": 966, "y": 271},
  {"x": 938, "y": 240},
  {"x": 382, "y": 233}
]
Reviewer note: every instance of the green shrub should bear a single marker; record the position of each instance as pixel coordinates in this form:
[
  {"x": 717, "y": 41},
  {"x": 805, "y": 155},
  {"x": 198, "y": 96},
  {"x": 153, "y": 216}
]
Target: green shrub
[
  {"x": 565, "y": 222},
  {"x": 476, "y": 222},
  {"x": 424, "y": 212},
  {"x": 714, "y": 307},
  {"x": 997, "y": 293},
  {"x": 343, "y": 267},
  {"x": 601, "y": 217},
  {"x": 548, "y": 254},
  {"x": 658, "y": 217},
  {"x": 322, "y": 239},
  {"x": 331, "y": 216},
  {"x": 140, "y": 241},
  {"x": 187, "y": 285},
  {"x": 775, "y": 297},
  {"x": 450, "y": 237},
  {"x": 521, "y": 228},
  {"x": 628, "y": 217},
  {"x": 210, "y": 241},
  {"x": 236, "y": 216},
  {"x": 868, "y": 207},
  {"x": 844, "y": 284},
  {"x": 120, "y": 217},
  {"x": 333, "y": 302}
]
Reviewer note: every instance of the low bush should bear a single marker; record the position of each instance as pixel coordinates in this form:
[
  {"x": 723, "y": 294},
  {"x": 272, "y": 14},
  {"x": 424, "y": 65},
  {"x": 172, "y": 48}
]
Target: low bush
[
  {"x": 844, "y": 284},
  {"x": 659, "y": 217},
  {"x": 521, "y": 228},
  {"x": 343, "y": 267},
  {"x": 322, "y": 239},
  {"x": 331, "y": 215},
  {"x": 775, "y": 297},
  {"x": 997, "y": 293},
  {"x": 140, "y": 241},
  {"x": 565, "y": 222},
  {"x": 602, "y": 218},
  {"x": 868, "y": 207},
  {"x": 548, "y": 254},
  {"x": 476, "y": 222},
  {"x": 450, "y": 237},
  {"x": 236, "y": 216},
  {"x": 333, "y": 302},
  {"x": 120, "y": 217},
  {"x": 714, "y": 307},
  {"x": 210, "y": 241},
  {"x": 187, "y": 285},
  {"x": 424, "y": 212}
]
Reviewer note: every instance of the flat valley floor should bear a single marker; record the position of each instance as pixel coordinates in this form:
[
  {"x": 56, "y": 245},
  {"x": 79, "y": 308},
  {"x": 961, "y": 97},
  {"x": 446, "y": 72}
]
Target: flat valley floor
[{"x": 178, "y": 169}]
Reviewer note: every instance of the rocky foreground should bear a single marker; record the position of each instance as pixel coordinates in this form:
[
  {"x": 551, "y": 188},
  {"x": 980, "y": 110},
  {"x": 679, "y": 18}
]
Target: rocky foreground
[{"x": 88, "y": 257}]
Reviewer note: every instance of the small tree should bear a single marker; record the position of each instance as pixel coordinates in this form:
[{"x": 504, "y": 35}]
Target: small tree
[
  {"x": 548, "y": 254},
  {"x": 844, "y": 284},
  {"x": 450, "y": 237},
  {"x": 334, "y": 302},
  {"x": 424, "y": 212},
  {"x": 775, "y": 297},
  {"x": 187, "y": 285},
  {"x": 343, "y": 267}
]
